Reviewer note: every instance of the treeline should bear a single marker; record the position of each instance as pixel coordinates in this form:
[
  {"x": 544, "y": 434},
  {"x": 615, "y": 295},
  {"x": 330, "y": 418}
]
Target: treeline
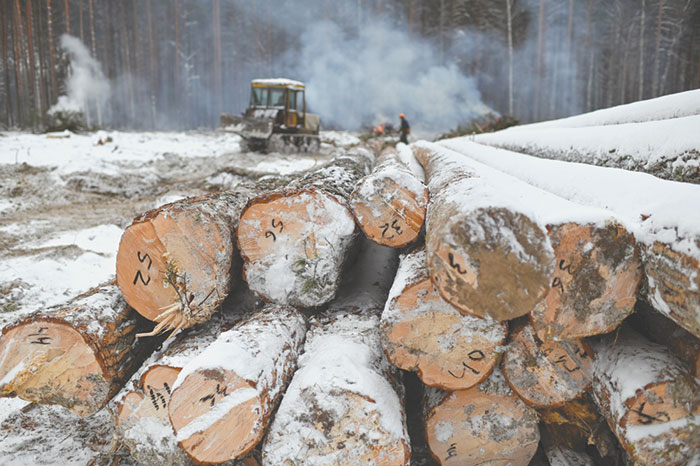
[{"x": 180, "y": 63}]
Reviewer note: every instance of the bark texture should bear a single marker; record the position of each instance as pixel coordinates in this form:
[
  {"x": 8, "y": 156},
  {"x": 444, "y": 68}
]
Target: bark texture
[
  {"x": 485, "y": 254},
  {"x": 649, "y": 399},
  {"x": 423, "y": 333},
  {"x": 486, "y": 424},
  {"x": 294, "y": 241},
  {"x": 77, "y": 355},
  {"x": 389, "y": 204}
]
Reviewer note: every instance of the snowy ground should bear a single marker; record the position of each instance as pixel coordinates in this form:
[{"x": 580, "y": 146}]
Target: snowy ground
[{"x": 64, "y": 201}]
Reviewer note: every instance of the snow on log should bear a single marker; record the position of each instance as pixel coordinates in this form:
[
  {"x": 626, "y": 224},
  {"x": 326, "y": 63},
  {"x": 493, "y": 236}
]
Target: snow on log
[
  {"x": 659, "y": 329},
  {"x": 486, "y": 424},
  {"x": 650, "y": 400},
  {"x": 345, "y": 402},
  {"x": 294, "y": 241},
  {"x": 175, "y": 262},
  {"x": 76, "y": 355},
  {"x": 223, "y": 398},
  {"x": 661, "y": 214},
  {"x": 549, "y": 373},
  {"x": 632, "y": 146},
  {"x": 389, "y": 204},
  {"x": 486, "y": 252},
  {"x": 142, "y": 410},
  {"x": 423, "y": 333}
]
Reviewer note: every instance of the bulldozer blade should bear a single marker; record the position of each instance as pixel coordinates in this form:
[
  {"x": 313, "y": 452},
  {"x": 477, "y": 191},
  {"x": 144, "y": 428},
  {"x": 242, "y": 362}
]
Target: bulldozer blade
[{"x": 248, "y": 128}]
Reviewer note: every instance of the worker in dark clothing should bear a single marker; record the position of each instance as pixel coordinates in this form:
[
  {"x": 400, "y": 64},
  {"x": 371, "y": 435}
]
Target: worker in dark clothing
[{"x": 404, "y": 129}]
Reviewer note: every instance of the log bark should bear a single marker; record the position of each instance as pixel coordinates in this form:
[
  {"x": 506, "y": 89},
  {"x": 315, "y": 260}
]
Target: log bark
[
  {"x": 389, "y": 204},
  {"x": 222, "y": 400},
  {"x": 547, "y": 374},
  {"x": 175, "y": 263},
  {"x": 648, "y": 398},
  {"x": 660, "y": 329},
  {"x": 345, "y": 402},
  {"x": 142, "y": 419},
  {"x": 294, "y": 241},
  {"x": 486, "y": 253},
  {"x": 423, "y": 333},
  {"x": 594, "y": 286},
  {"x": 76, "y": 355},
  {"x": 486, "y": 424}
]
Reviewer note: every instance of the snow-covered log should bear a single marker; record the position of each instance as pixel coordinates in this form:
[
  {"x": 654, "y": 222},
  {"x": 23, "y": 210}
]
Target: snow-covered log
[
  {"x": 223, "y": 398},
  {"x": 649, "y": 398},
  {"x": 486, "y": 252},
  {"x": 294, "y": 241},
  {"x": 142, "y": 419},
  {"x": 547, "y": 374},
  {"x": 76, "y": 355},
  {"x": 345, "y": 402},
  {"x": 486, "y": 424},
  {"x": 630, "y": 146},
  {"x": 423, "y": 333},
  {"x": 175, "y": 263},
  {"x": 389, "y": 204},
  {"x": 661, "y": 214}
]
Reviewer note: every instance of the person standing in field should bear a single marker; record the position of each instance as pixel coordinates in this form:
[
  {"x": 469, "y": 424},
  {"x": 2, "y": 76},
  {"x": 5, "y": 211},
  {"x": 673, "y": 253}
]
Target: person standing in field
[{"x": 404, "y": 129}]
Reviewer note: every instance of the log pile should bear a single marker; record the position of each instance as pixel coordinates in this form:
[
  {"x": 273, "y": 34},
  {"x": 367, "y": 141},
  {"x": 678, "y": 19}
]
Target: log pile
[{"x": 506, "y": 301}]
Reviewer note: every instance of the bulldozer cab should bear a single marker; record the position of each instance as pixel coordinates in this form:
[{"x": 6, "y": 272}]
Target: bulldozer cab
[{"x": 280, "y": 99}]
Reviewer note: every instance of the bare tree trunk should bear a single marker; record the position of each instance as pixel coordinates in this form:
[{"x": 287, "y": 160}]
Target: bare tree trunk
[
  {"x": 216, "y": 18},
  {"x": 17, "y": 42},
  {"x": 80, "y": 21},
  {"x": 66, "y": 11},
  {"x": 151, "y": 65},
  {"x": 657, "y": 54},
  {"x": 640, "y": 95},
  {"x": 93, "y": 44},
  {"x": 570, "y": 87},
  {"x": 33, "y": 83},
  {"x": 540, "y": 58},
  {"x": 52, "y": 61},
  {"x": 510, "y": 54},
  {"x": 5, "y": 68}
]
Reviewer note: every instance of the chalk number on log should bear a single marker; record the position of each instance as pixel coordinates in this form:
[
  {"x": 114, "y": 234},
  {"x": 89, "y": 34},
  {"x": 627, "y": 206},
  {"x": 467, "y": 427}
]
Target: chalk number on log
[
  {"x": 277, "y": 225},
  {"x": 476, "y": 355},
  {"x": 385, "y": 228},
  {"x": 139, "y": 276}
]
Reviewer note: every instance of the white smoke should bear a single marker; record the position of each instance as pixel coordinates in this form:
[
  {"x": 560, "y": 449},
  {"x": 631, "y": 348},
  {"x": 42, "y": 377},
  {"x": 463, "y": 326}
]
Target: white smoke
[
  {"x": 375, "y": 74},
  {"x": 86, "y": 84}
]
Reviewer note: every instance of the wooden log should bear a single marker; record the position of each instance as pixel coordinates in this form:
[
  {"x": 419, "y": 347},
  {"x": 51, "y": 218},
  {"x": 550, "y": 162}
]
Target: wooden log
[
  {"x": 76, "y": 355},
  {"x": 486, "y": 253},
  {"x": 595, "y": 282},
  {"x": 648, "y": 398},
  {"x": 662, "y": 215},
  {"x": 423, "y": 333},
  {"x": 142, "y": 420},
  {"x": 222, "y": 400},
  {"x": 662, "y": 330},
  {"x": 562, "y": 456},
  {"x": 486, "y": 424},
  {"x": 546, "y": 374},
  {"x": 294, "y": 241},
  {"x": 389, "y": 204},
  {"x": 345, "y": 402},
  {"x": 175, "y": 263}
]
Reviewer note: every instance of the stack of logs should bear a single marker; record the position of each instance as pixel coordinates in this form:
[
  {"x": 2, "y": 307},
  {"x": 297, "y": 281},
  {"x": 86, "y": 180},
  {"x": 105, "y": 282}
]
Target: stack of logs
[{"x": 512, "y": 318}]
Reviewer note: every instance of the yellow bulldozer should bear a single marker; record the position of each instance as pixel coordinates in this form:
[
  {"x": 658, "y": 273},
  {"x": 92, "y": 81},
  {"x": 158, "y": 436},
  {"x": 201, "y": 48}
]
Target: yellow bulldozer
[{"x": 276, "y": 119}]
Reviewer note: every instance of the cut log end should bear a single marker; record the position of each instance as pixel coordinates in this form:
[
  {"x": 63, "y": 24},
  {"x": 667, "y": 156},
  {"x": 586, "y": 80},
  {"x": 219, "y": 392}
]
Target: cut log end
[
  {"x": 594, "y": 285},
  {"x": 169, "y": 267},
  {"x": 547, "y": 374},
  {"x": 153, "y": 398},
  {"x": 303, "y": 236},
  {"x": 208, "y": 410},
  {"x": 483, "y": 272}
]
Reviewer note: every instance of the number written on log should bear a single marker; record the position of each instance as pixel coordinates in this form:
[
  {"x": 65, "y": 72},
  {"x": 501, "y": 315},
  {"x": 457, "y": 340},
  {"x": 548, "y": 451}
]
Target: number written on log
[
  {"x": 139, "y": 275},
  {"x": 451, "y": 452},
  {"x": 394, "y": 226},
  {"x": 556, "y": 283},
  {"x": 475, "y": 355},
  {"x": 647, "y": 419},
  {"x": 212, "y": 397},
  {"x": 40, "y": 337},
  {"x": 565, "y": 268},
  {"x": 564, "y": 360},
  {"x": 455, "y": 265},
  {"x": 276, "y": 225},
  {"x": 157, "y": 399}
]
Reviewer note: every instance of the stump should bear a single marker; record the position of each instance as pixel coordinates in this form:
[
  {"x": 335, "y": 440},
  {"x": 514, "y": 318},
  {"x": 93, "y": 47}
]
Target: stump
[
  {"x": 486, "y": 252},
  {"x": 222, "y": 400},
  {"x": 547, "y": 374},
  {"x": 486, "y": 424},
  {"x": 175, "y": 262},
  {"x": 424, "y": 334},
  {"x": 389, "y": 204},
  {"x": 594, "y": 285},
  {"x": 648, "y": 398},
  {"x": 294, "y": 241},
  {"x": 76, "y": 355}
]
